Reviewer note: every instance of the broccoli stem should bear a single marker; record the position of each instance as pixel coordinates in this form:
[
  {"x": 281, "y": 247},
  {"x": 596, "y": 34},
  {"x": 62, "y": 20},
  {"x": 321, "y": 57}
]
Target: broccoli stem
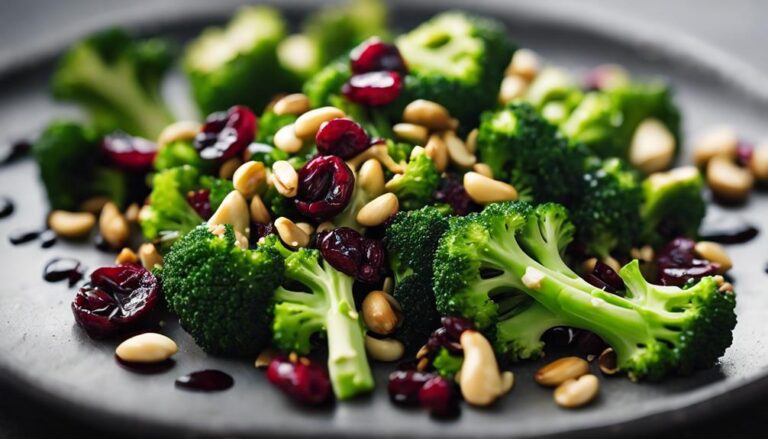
[{"x": 526, "y": 328}]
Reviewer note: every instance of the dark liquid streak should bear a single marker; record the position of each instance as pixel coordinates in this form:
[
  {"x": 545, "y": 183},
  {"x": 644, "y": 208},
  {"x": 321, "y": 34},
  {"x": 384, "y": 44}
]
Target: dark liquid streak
[
  {"x": 48, "y": 239},
  {"x": 10, "y": 153},
  {"x": 209, "y": 380},
  {"x": 732, "y": 232},
  {"x": 6, "y": 207},
  {"x": 59, "y": 269},
  {"x": 23, "y": 236}
]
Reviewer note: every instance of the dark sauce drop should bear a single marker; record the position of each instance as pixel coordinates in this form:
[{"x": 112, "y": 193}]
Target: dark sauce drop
[
  {"x": 728, "y": 230},
  {"x": 23, "y": 236},
  {"x": 6, "y": 207},
  {"x": 48, "y": 239},
  {"x": 146, "y": 368},
  {"x": 14, "y": 151},
  {"x": 209, "y": 380},
  {"x": 59, "y": 269}
]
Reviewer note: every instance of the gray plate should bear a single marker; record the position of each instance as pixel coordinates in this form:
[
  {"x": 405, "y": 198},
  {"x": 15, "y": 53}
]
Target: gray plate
[{"x": 43, "y": 353}]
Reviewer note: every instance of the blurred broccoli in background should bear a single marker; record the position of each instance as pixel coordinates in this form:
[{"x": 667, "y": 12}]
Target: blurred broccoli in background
[{"x": 117, "y": 80}]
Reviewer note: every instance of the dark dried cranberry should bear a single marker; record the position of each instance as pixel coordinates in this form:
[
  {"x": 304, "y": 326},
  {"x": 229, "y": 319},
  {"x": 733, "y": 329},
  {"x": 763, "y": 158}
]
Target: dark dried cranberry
[
  {"x": 303, "y": 380},
  {"x": 115, "y": 299},
  {"x": 353, "y": 254},
  {"x": 744, "y": 152},
  {"x": 373, "y": 89},
  {"x": 455, "y": 326},
  {"x": 678, "y": 253},
  {"x": 208, "y": 380},
  {"x": 200, "y": 200},
  {"x": 607, "y": 274},
  {"x": 599, "y": 283},
  {"x": 558, "y": 337},
  {"x": 589, "y": 343},
  {"x": 441, "y": 338},
  {"x": 451, "y": 191},
  {"x": 325, "y": 186},
  {"x": 226, "y": 134},
  {"x": 129, "y": 153},
  {"x": 404, "y": 386},
  {"x": 372, "y": 265},
  {"x": 341, "y": 137},
  {"x": 375, "y": 55},
  {"x": 677, "y": 264},
  {"x": 437, "y": 396},
  {"x": 259, "y": 230}
]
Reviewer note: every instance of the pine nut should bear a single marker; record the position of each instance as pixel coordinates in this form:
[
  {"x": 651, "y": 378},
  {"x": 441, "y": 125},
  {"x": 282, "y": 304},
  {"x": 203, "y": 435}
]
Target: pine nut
[
  {"x": 113, "y": 226},
  {"x": 644, "y": 253},
  {"x": 149, "y": 347},
  {"x": 561, "y": 370},
  {"x": 728, "y": 181},
  {"x": 380, "y": 153},
  {"x": 285, "y": 178},
  {"x": 428, "y": 114},
  {"x": 607, "y": 362},
  {"x": 714, "y": 252},
  {"x": 481, "y": 382},
  {"x": 386, "y": 349},
  {"x": 228, "y": 168},
  {"x": 472, "y": 141},
  {"x": 296, "y": 104},
  {"x": 525, "y": 63},
  {"x": 759, "y": 163},
  {"x": 306, "y": 227},
  {"x": 132, "y": 213},
  {"x": 576, "y": 393},
  {"x": 512, "y": 88},
  {"x": 250, "y": 178},
  {"x": 94, "y": 204},
  {"x": 380, "y": 312},
  {"x": 183, "y": 130},
  {"x": 483, "y": 169},
  {"x": 719, "y": 141},
  {"x": 259, "y": 212},
  {"x": 325, "y": 226},
  {"x": 150, "y": 257},
  {"x": 652, "y": 148},
  {"x": 286, "y": 140},
  {"x": 264, "y": 358},
  {"x": 307, "y": 124},
  {"x": 371, "y": 178},
  {"x": 484, "y": 190},
  {"x": 612, "y": 262},
  {"x": 126, "y": 256},
  {"x": 71, "y": 225},
  {"x": 588, "y": 266},
  {"x": 233, "y": 210},
  {"x": 378, "y": 210},
  {"x": 437, "y": 150},
  {"x": 291, "y": 234},
  {"x": 457, "y": 151},
  {"x": 411, "y": 132},
  {"x": 533, "y": 278}
]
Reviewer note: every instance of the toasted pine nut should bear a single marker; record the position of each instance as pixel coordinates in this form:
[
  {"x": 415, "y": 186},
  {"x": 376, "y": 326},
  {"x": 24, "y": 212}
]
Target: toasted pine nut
[
  {"x": 228, "y": 168},
  {"x": 423, "y": 352},
  {"x": 264, "y": 358},
  {"x": 728, "y": 181},
  {"x": 325, "y": 227},
  {"x": 437, "y": 150},
  {"x": 149, "y": 347},
  {"x": 126, "y": 256},
  {"x": 483, "y": 169},
  {"x": 411, "y": 132},
  {"x": 71, "y": 225},
  {"x": 607, "y": 362},
  {"x": 428, "y": 114},
  {"x": 307, "y": 124},
  {"x": 612, "y": 262},
  {"x": 371, "y": 177},
  {"x": 291, "y": 234},
  {"x": 714, "y": 252},
  {"x": 378, "y": 152},
  {"x": 387, "y": 349},
  {"x": 576, "y": 393},
  {"x": 250, "y": 178},
  {"x": 525, "y": 63},
  {"x": 484, "y": 190},
  {"x": 113, "y": 226},
  {"x": 380, "y": 312},
  {"x": 306, "y": 227},
  {"x": 512, "y": 88},
  {"x": 149, "y": 256},
  {"x": 472, "y": 141},
  {"x": 481, "y": 383},
  {"x": 759, "y": 163},
  {"x": 457, "y": 151},
  {"x": 296, "y": 103},
  {"x": 233, "y": 210},
  {"x": 652, "y": 148},
  {"x": 286, "y": 178},
  {"x": 132, "y": 213},
  {"x": 561, "y": 370},
  {"x": 644, "y": 253},
  {"x": 183, "y": 130},
  {"x": 588, "y": 266},
  {"x": 718, "y": 141},
  {"x": 94, "y": 204},
  {"x": 259, "y": 212},
  {"x": 286, "y": 140},
  {"x": 378, "y": 210}
]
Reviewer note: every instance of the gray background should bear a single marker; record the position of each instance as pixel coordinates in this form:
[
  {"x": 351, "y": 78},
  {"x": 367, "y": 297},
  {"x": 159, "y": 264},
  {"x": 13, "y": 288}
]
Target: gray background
[{"x": 30, "y": 28}]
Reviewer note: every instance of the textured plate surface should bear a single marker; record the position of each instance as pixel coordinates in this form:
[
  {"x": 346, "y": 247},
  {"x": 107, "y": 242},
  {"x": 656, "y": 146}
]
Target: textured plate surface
[{"x": 44, "y": 354}]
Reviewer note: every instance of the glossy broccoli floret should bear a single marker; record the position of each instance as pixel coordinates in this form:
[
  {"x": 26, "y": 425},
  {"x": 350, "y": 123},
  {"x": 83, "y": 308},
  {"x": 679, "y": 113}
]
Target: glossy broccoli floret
[
  {"x": 221, "y": 293},
  {"x": 674, "y": 205},
  {"x": 66, "y": 154},
  {"x": 324, "y": 305},
  {"x": 415, "y": 187},
  {"x": 446, "y": 364},
  {"x": 237, "y": 64},
  {"x": 554, "y": 94},
  {"x": 117, "y": 80},
  {"x": 487, "y": 261},
  {"x": 180, "y": 153},
  {"x": 325, "y": 85}
]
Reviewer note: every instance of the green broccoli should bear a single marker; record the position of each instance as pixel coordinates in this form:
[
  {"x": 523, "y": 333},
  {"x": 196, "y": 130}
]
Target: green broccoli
[
  {"x": 486, "y": 262},
  {"x": 324, "y": 87},
  {"x": 221, "y": 293},
  {"x": 117, "y": 79},
  {"x": 674, "y": 205},
  {"x": 180, "y": 153},
  {"x": 554, "y": 93},
  {"x": 446, "y": 364},
  {"x": 415, "y": 187}
]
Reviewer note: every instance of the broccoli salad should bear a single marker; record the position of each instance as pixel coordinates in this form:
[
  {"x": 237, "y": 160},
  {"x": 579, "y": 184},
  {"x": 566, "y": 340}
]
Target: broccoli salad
[{"x": 440, "y": 200}]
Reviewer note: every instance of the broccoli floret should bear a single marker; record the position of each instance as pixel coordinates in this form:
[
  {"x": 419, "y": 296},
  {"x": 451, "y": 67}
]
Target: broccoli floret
[
  {"x": 447, "y": 365},
  {"x": 270, "y": 123},
  {"x": 238, "y": 65},
  {"x": 221, "y": 293},
  {"x": 327, "y": 308},
  {"x": 554, "y": 94},
  {"x": 486, "y": 261},
  {"x": 415, "y": 187},
  {"x": 674, "y": 205},
  {"x": 117, "y": 79},
  {"x": 180, "y": 153},
  {"x": 326, "y": 84}
]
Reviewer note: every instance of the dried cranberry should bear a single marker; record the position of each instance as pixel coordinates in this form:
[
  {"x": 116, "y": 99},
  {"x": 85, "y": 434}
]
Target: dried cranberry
[
  {"x": 325, "y": 186},
  {"x": 341, "y": 137},
  {"x": 441, "y": 338},
  {"x": 558, "y": 337},
  {"x": 129, "y": 153},
  {"x": 677, "y": 264},
  {"x": 608, "y": 276},
  {"x": 226, "y": 134},
  {"x": 372, "y": 266},
  {"x": 451, "y": 191},
  {"x": 259, "y": 230},
  {"x": 303, "y": 380},
  {"x": 353, "y": 254},
  {"x": 404, "y": 386},
  {"x": 373, "y": 89},
  {"x": 437, "y": 396},
  {"x": 115, "y": 299},
  {"x": 455, "y": 326},
  {"x": 201, "y": 201},
  {"x": 589, "y": 343},
  {"x": 375, "y": 55}
]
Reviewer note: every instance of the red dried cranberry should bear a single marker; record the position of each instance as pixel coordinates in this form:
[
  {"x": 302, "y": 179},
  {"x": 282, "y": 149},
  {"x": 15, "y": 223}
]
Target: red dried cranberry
[
  {"x": 303, "y": 380},
  {"x": 589, "y": 343},
  {"x": 325, "y": 186},
  {"x": 341, "y": 137},
  {"x": 437, "y": 396},
  {"x": 201, "y": 201},
  {"x": 226, "y": 134},
  {"x": 375, "y": 55},
  {"x": 115, "y": 299},
  {"x": 404, "y": 386},
  {"x": 259, "y": 230},
  {"x": 603, "y": 276},
  {"x": 373, "y": 89},
  {"x": 677, "y": 264},
  {"x": 353, "y": 254},
  {"x": 455, "y": 326},
  {"x": 558, "y": 337},
  {"x": 129, "y": 153},
  {"x": 451, "y": 191},
  {"x": 372, "y": 266},
  {"x": 441, "y": 338}
]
